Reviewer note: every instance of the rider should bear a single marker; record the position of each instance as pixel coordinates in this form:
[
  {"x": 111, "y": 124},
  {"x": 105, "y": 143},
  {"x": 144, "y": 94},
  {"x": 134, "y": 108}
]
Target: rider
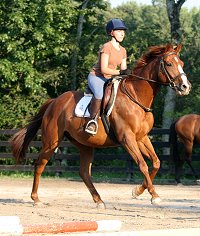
[{"x": 111, "y": 61}]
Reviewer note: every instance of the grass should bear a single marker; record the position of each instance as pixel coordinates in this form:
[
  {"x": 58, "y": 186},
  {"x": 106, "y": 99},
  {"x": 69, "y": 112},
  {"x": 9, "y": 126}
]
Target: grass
[{"x": 108, "y": 177}]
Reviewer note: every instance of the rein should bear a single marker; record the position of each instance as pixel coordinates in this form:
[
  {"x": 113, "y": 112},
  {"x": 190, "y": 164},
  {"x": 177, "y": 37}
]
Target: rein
[
  {"x": 161, "y": 68},
  {"x": 125, "y": 90}
]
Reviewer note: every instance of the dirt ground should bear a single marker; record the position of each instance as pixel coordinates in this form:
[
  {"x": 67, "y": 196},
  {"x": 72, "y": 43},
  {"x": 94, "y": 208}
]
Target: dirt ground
[{"x": 65, "y": 200}]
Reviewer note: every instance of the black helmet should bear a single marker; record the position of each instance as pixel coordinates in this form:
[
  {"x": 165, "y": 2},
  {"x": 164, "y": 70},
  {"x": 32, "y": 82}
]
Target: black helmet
[{"x": 115, "y": 24}]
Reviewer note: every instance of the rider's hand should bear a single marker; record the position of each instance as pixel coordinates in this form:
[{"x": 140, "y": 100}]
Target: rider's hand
[{"x": 125, "y": 72}]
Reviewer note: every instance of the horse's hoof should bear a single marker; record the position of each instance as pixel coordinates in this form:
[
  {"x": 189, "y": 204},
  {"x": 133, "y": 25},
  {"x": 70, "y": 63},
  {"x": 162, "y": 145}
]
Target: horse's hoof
[
  {"x": 155, "y": 201},
  {"x": 136, "y": 192},
  {"x": 37, "y": 203},
  {"x": 101, "y": 206}
]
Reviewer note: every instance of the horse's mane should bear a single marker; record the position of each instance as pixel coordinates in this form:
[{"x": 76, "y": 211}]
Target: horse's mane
[{"x": 150, "y": 55}]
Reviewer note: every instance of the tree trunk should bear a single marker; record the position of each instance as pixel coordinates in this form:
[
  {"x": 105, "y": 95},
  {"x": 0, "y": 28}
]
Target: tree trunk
[
  {"x": 76, "y": 50},
  {"x": 173, "y": 11}
]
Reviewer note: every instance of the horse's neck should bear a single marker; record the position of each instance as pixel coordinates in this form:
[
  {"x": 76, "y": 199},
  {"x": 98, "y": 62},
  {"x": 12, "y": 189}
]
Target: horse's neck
[{"x": 146, "y": 91}]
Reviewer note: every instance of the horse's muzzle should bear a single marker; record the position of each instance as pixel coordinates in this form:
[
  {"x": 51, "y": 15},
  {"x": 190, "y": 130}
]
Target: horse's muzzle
[{"x": 183, "y": 89}]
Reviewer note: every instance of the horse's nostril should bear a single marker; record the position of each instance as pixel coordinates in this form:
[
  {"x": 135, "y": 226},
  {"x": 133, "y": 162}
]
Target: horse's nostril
[{"x": 185, "y": 87}]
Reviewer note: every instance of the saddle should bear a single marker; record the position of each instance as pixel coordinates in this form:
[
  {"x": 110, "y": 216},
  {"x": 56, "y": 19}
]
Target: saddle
[{"x": 110, "y": 92}]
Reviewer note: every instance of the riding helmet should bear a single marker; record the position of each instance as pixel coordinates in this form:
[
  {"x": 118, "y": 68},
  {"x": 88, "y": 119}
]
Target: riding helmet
[{"x": 115, "y": 24}]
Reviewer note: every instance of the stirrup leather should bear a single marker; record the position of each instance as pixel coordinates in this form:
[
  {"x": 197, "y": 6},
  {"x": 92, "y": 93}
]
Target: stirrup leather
[{"x": 90, "y": 131}]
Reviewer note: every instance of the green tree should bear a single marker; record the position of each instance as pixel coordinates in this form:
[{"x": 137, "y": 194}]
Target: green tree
[
  {"x": 34, "y": 50},
  {"x": 191, "y": 47},
  {"x": 88, "y": 37},
  {"x": 39, "y": 41},
  {"x": 33, "y": 39}
]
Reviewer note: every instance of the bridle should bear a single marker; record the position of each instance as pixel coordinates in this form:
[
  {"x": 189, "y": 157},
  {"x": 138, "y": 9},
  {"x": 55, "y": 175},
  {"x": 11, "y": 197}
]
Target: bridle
[{"x": 163, "y": 69}]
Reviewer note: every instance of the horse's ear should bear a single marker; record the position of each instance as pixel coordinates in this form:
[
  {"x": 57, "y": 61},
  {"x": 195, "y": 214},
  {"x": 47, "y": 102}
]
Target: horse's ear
[
  {"x": 168, "y": 47},
  {"x": 178, "y": 48}
]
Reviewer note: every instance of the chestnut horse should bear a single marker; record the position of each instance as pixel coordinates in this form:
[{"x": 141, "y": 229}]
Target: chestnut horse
[
  {"x": 130, "y": 120},
  {"x": 187, "y": 130}
]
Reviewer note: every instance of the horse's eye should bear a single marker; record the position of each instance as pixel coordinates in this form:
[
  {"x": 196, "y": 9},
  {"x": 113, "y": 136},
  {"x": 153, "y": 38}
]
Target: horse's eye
[{"x": 168, "y": 63}]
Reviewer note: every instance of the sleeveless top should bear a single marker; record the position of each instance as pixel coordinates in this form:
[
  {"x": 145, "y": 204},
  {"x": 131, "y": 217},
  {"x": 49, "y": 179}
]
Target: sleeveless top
[{"x": 114, "y": 61}]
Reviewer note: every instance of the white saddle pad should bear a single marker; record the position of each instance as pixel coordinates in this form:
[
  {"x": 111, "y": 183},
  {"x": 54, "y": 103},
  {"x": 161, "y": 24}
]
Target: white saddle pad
[{"x": 82, "y": 105}]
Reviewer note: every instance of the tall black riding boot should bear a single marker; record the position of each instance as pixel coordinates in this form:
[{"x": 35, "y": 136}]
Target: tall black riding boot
[{"x": 92, "y": 125}]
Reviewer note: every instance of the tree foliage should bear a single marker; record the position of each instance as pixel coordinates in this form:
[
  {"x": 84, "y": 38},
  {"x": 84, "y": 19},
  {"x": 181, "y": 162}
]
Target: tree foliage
[
  {"x": 38, "y": 41},
  {"x": 34, "y": 40}
]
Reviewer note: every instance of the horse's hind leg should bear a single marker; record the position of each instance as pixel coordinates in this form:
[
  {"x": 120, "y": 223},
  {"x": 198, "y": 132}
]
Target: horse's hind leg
[
  {"x": 179, "y": 169},
  {"x": 188, "y": 159},
  {"x": 86, "y": 159},
  {"x": 186, "y": 156},
  {"x": 39, "y": 168},
  {"x": 189, "y": 162},
  {"x": 51, "y": 138}
]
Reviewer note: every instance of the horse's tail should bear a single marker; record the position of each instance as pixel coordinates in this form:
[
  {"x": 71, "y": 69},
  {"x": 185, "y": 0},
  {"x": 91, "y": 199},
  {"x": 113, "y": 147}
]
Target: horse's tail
[
  {"x": 173, "y": 141},
  {"x": 20, "y": 140}
]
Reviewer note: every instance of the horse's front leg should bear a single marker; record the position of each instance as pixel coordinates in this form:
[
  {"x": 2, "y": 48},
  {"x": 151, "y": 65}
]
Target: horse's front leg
[
  {"x": 148, "y": 151},
  {"x": 132, "y": 147},
  {"x": 86, "y": 159}
]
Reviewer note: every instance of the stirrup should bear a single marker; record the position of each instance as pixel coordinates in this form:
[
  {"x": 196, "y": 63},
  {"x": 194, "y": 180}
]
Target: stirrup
[{"x": 90, "y": 131}]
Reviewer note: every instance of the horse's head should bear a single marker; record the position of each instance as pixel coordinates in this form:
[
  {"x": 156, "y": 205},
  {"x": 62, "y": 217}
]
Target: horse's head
[
  {"x": 171, "y": 70},
  {"x": 162, "y": 65}
]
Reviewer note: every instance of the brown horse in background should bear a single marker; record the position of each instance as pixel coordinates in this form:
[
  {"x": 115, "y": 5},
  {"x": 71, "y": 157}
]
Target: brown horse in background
[
  {"x": 131, "y": 120},
  {"x": 187, "y": 130}
]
